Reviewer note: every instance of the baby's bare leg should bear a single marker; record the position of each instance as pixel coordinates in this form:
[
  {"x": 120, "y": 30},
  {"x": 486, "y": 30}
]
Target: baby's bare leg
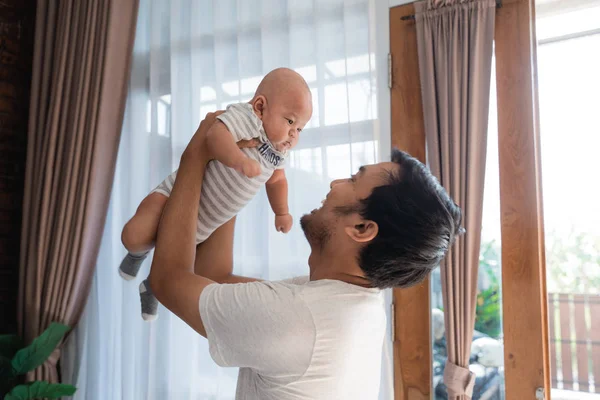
[
  {"x": 138, "y": 237},
  {"x": 139, "y": 234}
]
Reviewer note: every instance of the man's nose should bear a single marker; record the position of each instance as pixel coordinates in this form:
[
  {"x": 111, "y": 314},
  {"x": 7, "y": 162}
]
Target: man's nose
[{"x": 335, "y": 182}]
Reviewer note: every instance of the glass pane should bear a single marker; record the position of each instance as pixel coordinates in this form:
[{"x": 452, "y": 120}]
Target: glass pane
[
  {"x": 569, "y": 83},
  {"x": 487, "y": 351}
]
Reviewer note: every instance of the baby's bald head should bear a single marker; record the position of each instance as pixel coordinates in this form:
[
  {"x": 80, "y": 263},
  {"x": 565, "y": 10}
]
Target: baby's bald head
[
  {"x": 283, "y": 102},
  {"x": 282, "y": 82}
]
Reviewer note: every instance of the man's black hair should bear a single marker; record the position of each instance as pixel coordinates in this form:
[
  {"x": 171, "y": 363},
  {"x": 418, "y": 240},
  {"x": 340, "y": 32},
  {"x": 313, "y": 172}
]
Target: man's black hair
[{"x": 418, "y": 222}]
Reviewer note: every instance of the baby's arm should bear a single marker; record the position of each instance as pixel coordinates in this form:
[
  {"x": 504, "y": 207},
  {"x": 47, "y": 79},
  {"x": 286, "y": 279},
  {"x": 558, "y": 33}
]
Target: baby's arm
[
  {"x": 223, "y": 148},
  {"x": 277, "y": 191}
]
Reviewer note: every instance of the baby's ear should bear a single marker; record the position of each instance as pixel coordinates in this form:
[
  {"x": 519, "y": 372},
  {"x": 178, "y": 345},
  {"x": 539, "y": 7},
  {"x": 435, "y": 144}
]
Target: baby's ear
[{"x": 259, "y": 105}]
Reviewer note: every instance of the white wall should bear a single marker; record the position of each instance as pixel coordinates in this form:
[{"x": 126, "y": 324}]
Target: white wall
[{"x": 381, "y": 13}]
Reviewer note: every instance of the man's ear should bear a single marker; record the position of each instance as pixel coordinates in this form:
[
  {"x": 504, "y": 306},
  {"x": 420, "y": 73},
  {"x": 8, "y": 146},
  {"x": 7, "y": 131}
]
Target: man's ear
[
  {"x": 362, "y": 231},
  {"x": 259, "y": 104}
]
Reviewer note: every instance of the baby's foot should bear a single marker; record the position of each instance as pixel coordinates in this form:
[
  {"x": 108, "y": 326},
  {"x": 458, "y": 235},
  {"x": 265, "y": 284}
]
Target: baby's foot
[
  {"x": 148, "y": 301},
  {"x": 131, "y": 265}
]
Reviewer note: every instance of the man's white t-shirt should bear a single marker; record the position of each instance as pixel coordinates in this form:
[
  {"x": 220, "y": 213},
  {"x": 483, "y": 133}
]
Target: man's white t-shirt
[{"x": 297, "y": 339}]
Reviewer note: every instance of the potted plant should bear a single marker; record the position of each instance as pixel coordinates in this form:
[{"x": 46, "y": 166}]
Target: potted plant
[{"x": 16, "y": 360}]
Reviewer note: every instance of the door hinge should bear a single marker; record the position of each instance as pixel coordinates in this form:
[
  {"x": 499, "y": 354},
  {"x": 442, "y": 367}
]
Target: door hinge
[
  {"x": 393, "y": 328},
  {"x": 390, "y": 70}
]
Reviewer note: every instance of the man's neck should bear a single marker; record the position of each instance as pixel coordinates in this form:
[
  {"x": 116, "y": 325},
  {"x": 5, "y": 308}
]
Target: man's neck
[{"x": 339, "y": 267}]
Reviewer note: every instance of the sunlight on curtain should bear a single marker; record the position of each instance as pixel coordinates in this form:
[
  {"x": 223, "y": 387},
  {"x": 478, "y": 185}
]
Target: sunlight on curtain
[{"x": 192, "y": 57}]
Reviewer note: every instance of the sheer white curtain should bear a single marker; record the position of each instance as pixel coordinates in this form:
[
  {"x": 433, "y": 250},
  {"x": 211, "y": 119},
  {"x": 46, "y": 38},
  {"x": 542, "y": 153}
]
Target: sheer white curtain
[{"x": 195, "y": 56}]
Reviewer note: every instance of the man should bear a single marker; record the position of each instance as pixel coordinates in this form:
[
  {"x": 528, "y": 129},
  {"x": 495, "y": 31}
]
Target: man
[{"x": 318, "y": 337}]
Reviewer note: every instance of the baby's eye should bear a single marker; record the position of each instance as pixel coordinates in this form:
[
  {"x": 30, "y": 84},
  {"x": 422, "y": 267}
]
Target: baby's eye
[{"x": 290, "y": 122}]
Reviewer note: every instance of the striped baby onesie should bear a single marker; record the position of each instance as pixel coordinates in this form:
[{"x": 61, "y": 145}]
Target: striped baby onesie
[{"x": 225, "y": 191}]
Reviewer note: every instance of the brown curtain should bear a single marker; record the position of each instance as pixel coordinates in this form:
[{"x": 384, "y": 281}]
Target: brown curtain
[
  {"x": 81, "y": 65},
  {"x": 455, "y": 42}
]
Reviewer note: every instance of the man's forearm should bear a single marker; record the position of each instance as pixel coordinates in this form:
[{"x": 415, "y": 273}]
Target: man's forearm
[
  {"x": 176, "y": 237},
  {"x": 214, "y": 257}
]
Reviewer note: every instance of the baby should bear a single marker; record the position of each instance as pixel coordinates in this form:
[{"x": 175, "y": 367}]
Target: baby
[{"x": 280, "y": 108}]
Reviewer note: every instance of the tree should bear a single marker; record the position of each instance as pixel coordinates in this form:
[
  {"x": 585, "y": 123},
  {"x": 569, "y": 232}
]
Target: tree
[{"x": 573, "y": 262}]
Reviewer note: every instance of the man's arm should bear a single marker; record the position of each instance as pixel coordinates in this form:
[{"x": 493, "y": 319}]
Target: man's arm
[
  {"x": 172, "y": 277},
  {"x": 214, "y": 257}
]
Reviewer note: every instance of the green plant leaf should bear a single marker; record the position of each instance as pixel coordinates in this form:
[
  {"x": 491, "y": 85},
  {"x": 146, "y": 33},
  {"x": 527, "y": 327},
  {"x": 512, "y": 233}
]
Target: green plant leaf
[
  {"x": 40, "y": 349},
  {"x": 40, "y": 389},
  {"x": 9, "y": 345},
  {"x": 20, "y": 392},
  {"x": 6, "y": 369},
  {"x": 50, "y": 390}
]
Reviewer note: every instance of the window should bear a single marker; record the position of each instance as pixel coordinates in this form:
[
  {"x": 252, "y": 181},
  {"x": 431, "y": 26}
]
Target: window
[
  {"x": 195, "y": 56},
  {"x": 568, "y": 65}
]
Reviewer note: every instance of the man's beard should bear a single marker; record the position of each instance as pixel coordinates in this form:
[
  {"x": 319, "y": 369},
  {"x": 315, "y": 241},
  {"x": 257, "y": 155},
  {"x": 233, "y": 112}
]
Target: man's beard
[{"x": 315, "y": 230}]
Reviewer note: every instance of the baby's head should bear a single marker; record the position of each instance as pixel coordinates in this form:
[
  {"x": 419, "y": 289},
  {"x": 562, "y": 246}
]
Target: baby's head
[{"x": 284, "y": 104}]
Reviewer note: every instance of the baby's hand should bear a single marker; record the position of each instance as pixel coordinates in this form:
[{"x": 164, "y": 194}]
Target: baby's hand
[
  {"x": 250, "y": 168},
  {"x": 283, "y": 223}
]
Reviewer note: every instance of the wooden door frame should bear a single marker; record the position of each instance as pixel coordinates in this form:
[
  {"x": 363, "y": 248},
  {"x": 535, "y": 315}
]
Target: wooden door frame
[
  {"x": 526, "y": 358},
  {"x": 411, "y": 307},
  {"x": 527, "y": 365}
]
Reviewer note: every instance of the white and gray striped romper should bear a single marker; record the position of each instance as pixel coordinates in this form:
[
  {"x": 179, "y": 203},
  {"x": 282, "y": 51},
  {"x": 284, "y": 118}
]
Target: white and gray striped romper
[{"x": 225, "y": 191}]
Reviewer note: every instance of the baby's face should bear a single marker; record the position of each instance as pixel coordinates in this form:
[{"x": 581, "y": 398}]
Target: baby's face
[{"x": 284, "y": 119}]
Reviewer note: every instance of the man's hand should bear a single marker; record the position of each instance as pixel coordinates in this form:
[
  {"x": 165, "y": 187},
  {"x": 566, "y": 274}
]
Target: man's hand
[
  {"x": 250, "y": 168},
  {"x": 248, "y": 144},
  {"x": 283, "y": 223},
  {"x": 197, "y": 145}
]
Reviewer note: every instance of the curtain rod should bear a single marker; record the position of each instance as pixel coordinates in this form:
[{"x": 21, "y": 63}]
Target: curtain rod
[{"x": 412, "y": 16}]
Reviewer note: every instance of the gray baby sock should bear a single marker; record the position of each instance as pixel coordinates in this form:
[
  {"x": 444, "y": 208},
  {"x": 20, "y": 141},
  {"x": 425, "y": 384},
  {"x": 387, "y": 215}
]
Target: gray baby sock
[
  {"x": 149, "y": 302},
  {"x": 131, "y": 265}
]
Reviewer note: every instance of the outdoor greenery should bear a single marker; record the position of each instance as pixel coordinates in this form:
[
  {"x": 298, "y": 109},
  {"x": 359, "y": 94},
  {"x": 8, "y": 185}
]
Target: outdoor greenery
[
  {"x": 488, "y": 314},
  {"x": 573, "y": 262}
]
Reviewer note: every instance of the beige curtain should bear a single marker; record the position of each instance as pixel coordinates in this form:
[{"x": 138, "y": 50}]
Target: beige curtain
[
  {"x": 81, "y": 65},
  {"x": 455, "y": 41}
]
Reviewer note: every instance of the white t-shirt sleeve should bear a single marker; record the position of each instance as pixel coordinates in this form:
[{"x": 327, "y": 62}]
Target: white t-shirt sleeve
[
  {"x": 261, "y": 325},
  {"x": 240, "y": 121}
]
